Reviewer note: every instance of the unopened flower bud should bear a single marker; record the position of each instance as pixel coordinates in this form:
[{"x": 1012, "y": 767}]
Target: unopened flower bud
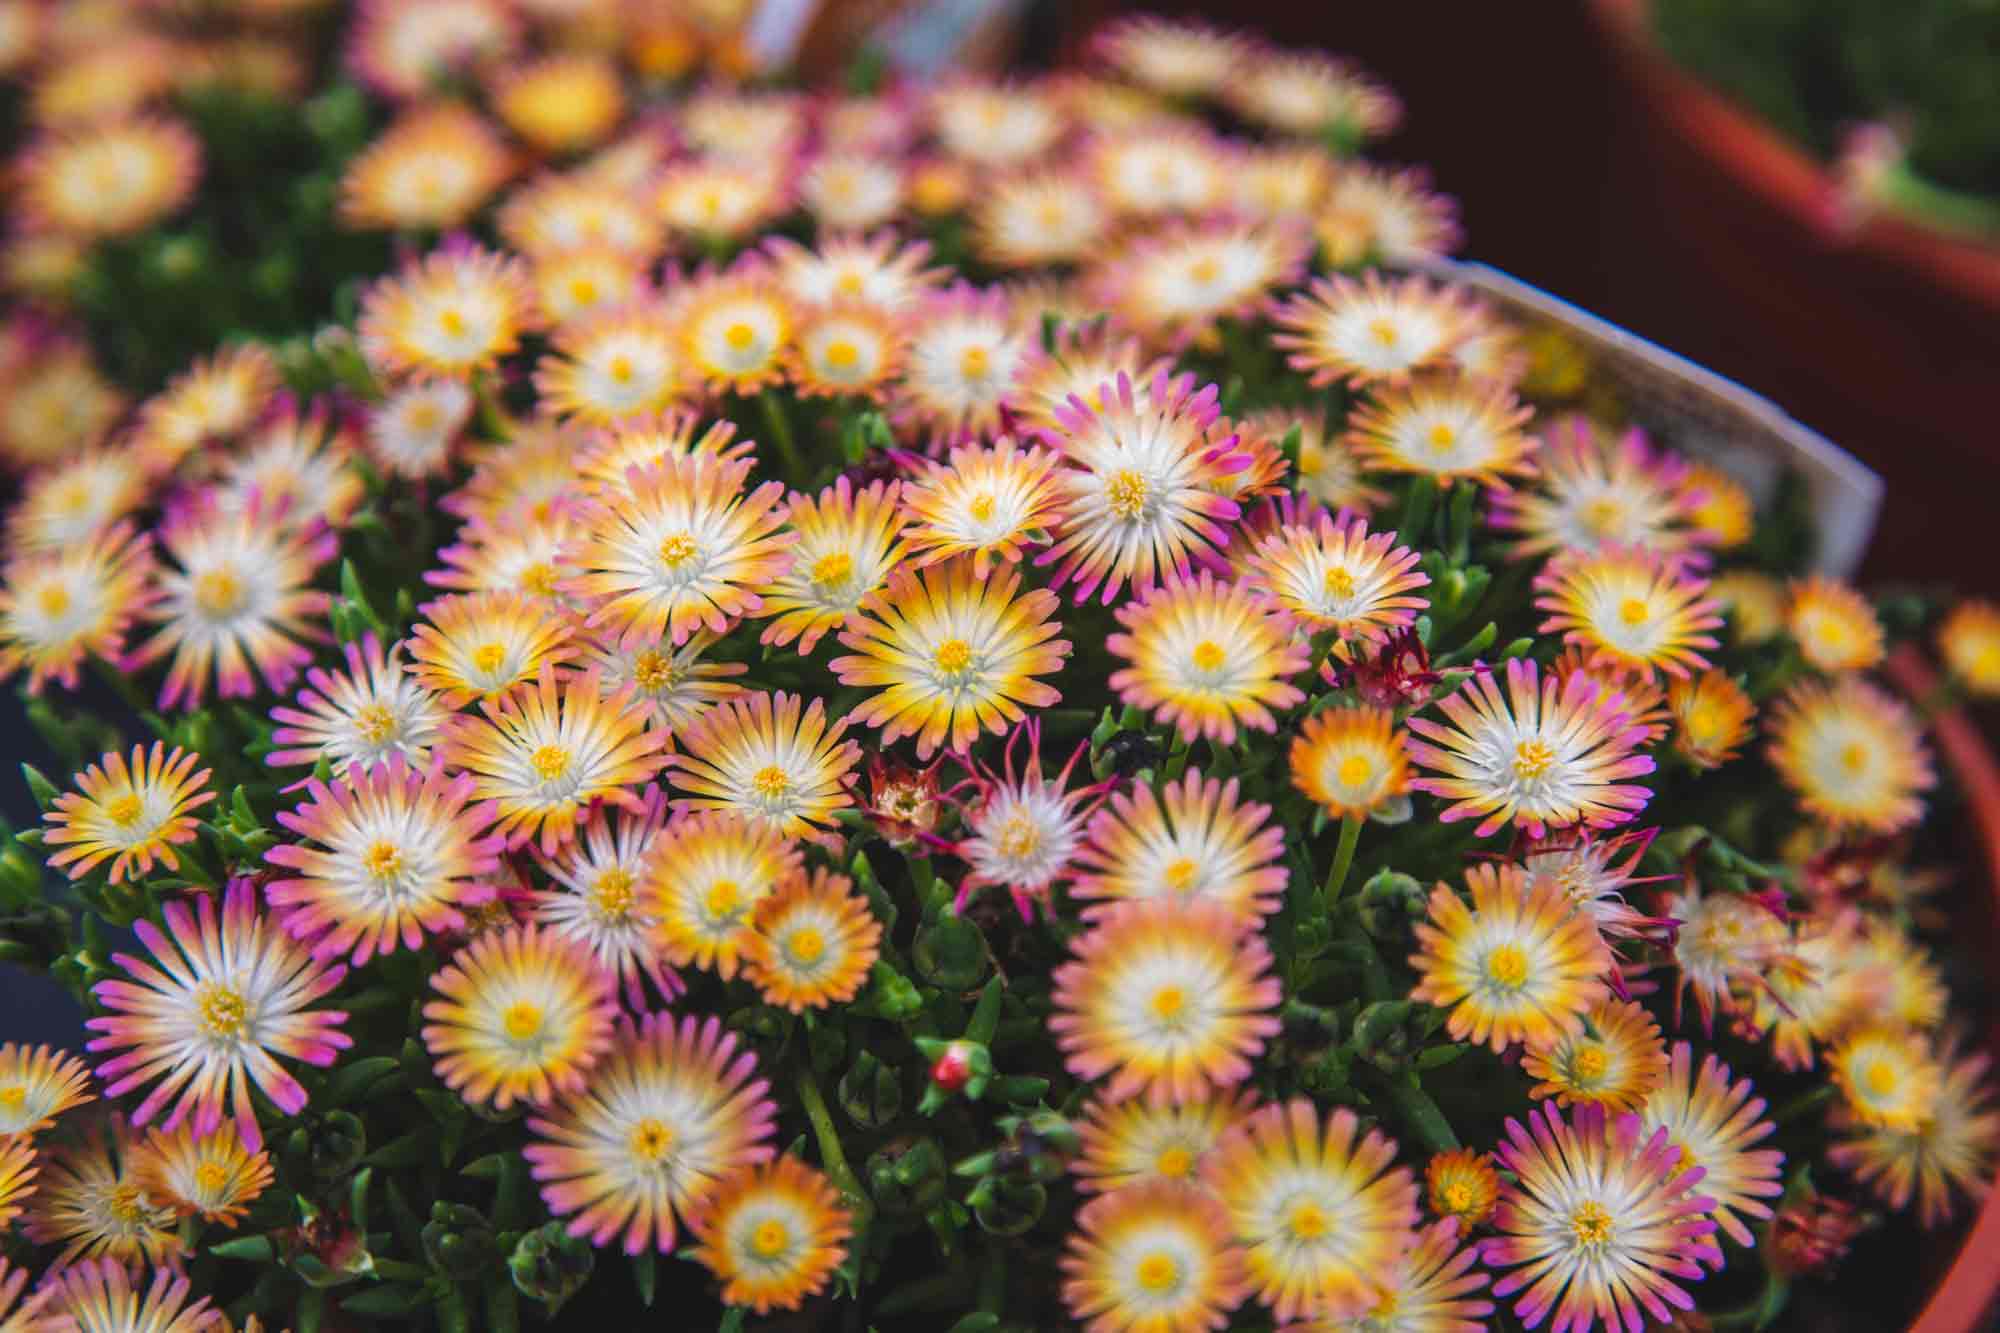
[{"x": 550, "y": 1265}]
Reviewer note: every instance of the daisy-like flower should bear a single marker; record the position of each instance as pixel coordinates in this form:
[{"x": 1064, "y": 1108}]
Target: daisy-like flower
[
  {"x": 1521, "y": 964},
  {"x": 1174, "y": 285},
  {"x": 1853, "y": 754},
  {"x": 598, "y": 902},
  {"x": 1022, "y": 830},
  {"x": 1198, "y": 843},
  {"x": 1446, "y": 427},
  {"x": 1206, "y": 657},
  {"x": 772, "y": 1233},
  {"x": 37, "y": 1084},
  {"x": 1596, "y": 492},
  {"x": 1948, "y": 1153},
  {"x": 209, "y": 1012},
  {"x": 1539, "y": 757},
  {"x": 402, "y": 51},
  {"x": 1176, "y": 57},
  {"x": 813, "y": 944},
  {"x": 1462, "y": 1184},
  {"x": 673, "y": 685},
  {"x": 1388, "y": 214},
  {"x": 967, "y": 355},
  {"x": 763, "y": 125},
  {"x": 75, "y": 500},
  {"x": 371, "y": 712},
  {"x": 1038, "y": 218},
  {"x": 1614, "y": 1059},
  {"x": 1350, "y": 760},
  {"x": 1123, "y": 1144},
  {"x": 1165, "y": 167},
  {"x": 847, "y": 542},
  {"x": 131, "y": 814},
  {"x": 1712, "y": 717},
  {"x": 1374, "y": 329},
  {"x": 1152, "y": 1258},
  {"x": 601, "y": 466},
  {"x": 715, "y": 199},
  {"x": 1319, "y": 1211},
  {"x": 668, "y": 1112},
  {"x": 237, "y": 599},
  {"x": 212, "y": 1176},
  {"x": 544, "y": 752},
  {"x": 1723, "y": 512},
  {"x": 986, "y": 502},
  {"x": 433, "y": 169},
  {"x": 1169, "y": 998},
  {"x": 518, "y": 553},
  {"x": 482, "y": 645},
  {"x": 768, "y": 757},
  {"x": 400, "y": 851},
  {"x": 995, "y": 125},
  {"x": 1589, "y": 869},
  {"x": 704, "y": 878},
  {"x": 415, "y": 429},
  {"x": 112, "y": 179},
  {"x": 852, "y": 190},
  {"x": 1329, "y": 469},
  {"x": 679, "y": 548},
  {"x": 1633, "y": 609},
  {"x": 561, "y": 103},
  {"x": 1085, "y": 359},
  {"x": 1307, "y": 94},
  {"x": 454, "y": 312},
  {"x": 612, "y": 366},
  {"x": 574, "y": 287},
  {"x": 878, "y": 270},
  {"x": 1339, "y": 576},
  {"x": 952, "y": 655},
  {"x": 297, "y": 463},
  {"x": 1969, "y": 642},
  {"x": 1887, "y": 1076},
  {"x": 846, "y": 350},
  {"x": 103, "y": 1297},
  {"x": 1137, "y": 497},
  {"x": 565, "y": 214},
  {"x": 1280, "y": 181},
  {"x": 89, "y": 1197},
  {"x": 1834, "y": 626},
  {"x": 1711, "y": 1126},
  {"x": 736, "y": 331},
  {"x": 522, "y": 1015},
  {"x": 59, "y": 606},
  {"x": 1600, "y": 1221},
  {"x": 1431, "y": 1289},
  {"x": 19, "y": 1165},
  {"x": 1722, "y": 945}
]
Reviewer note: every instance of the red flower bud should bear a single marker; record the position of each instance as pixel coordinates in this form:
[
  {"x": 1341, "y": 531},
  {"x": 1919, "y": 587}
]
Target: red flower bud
[{"x": 953, "y": 1068}]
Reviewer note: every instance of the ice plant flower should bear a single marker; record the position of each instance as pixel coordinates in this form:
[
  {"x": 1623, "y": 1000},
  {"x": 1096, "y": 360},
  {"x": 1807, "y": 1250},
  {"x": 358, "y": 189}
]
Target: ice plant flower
[
  {"x": 560, "y": 103},
  {"x": 19, "y": 1165},
  {"x": 1137, "y": 498},
  {"x": 1206, "y": 657},
  {"x": 400, "y": 852},
  {"x": 953, "y": 655},
  {"x": 60, "y": 606},
  {"x": 736, "y": 331},
  {"x": 1723, "y": 513},
  {"x": 1722, "y": 945},
  {"x": 674, "y": 686},
  {"x": 544, "y": 752},
  {"x": 598, "y": 900},
  {"x": 1129, "y": 1143},
  {"x": 1195, "y": 841},
  {"x": 1022, "y": 831},
  {"x": 430, "y": 170},
  {"x": 111, "y": 179},
  {"x": 772, "y": 1233},
  {"x": 1521, "y": 964},
  {"x": 1834, "y": 626},
  {"x": 131, "y": 814},
  {"x": 1714, "y": 1124},
  {"x": 212, "y": 1175},
  {"x": 989, "y": 502},
  {"x": 1306, "y": 94},
  {"x": 1321, "y": 1214},
  {"x": 1712, "y": 717},
  {"x": 1614, "y": 1059},
  {"x": 813, "y": 943},
  {"x": 474, "y": 646},
  {"x": 1852, "y": 753},
  {"x": 522, "y": 1014},
  {"x": 768, "y": 757},
  {"x": 1447, "y": 428},
  {"x": 848, "y": 350},
  {"x": 670, "y": 1110},
  {"x": 1600, "y": 1222},
  {"x": 678, "y": 548},
  {"x": 455, "y": 312},
  {"x": 89, "y": 1198},
  {"x": 1969, "y": 640},
  {"x": 1630, "y": 609},
  {"x": 1595, "y": 492},
  {"x": 37, "y": 1084},
  {"x": 220, "y": 997},
  {"x": 1948, "y": 1154},
  {"x": 102, "y": 1296},
  {"x": 1887, "y": 1076},
  {"x": 1361, "y": 332},
  {"x": 612, "y": 366},
  {"x": 1338, "y": 576},
  {"x": 1431, "y": 1289},
  {"x": 848, "y": 542},
  {"x": 1154, "y": 1256},
  {"x": 1175, "y": 284},
  {"x": 365, "y": 716},
  {"x": 1539, "y": 757},
  {"x": 1171, "y": 999},
  {"x": 1462, "y": 1184},
  {"x": 704, "y": 878},
  {"x": 1173, "y": 56},
  {"x": 1349, "y": 761},
  {"x": 966, "y": 357}
]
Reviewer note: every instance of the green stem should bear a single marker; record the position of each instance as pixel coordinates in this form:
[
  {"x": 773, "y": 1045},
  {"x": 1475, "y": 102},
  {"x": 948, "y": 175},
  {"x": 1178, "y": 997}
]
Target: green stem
[
  {"x": 1421, "y": 1114},
  {"x": 1343, "y": 861},
  {"x": 780, "y": 422},
  {"x": 1805, "y": 1104},
  {"x": 831, "y": 1155}
]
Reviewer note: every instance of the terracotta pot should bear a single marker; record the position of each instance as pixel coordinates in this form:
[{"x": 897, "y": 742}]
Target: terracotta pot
[{"x": 1972, "y": 1283}]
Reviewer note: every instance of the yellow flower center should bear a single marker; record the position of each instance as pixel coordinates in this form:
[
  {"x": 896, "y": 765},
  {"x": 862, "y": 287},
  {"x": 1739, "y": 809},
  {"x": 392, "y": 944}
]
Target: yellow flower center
[
  {"x": 833, "y": 567},
  {"x": 14, "y": 1096},
  {"x": 652, "y": 670},
  {"x": 771, "y": 782},
  {"x": 1205, "y": 270},
  {"x": 848, "y": 283},
  {"x": 1591, "y": 1064},
  {"x": 1854, "y": 757},
  {"x": 1507, "y": 966},
  {"x": 842, "y": 354},
  {"x": 221, "y": 1010},
  {"x": 124, "y": 810},
  {"x": 539, "y": 579},
  {"x": 1307, "y": 1221},
  {"x": 614, "y": 893},
  {"x": 374, "y": 723},
  {"x": 1208, "y": 655},
  {"x": 1019, "y": 838},
  {"x": 1457, "y": 1197},
  {"x": 423, "y": 417},
  {"x": 724, "y": 899},
  {"x": 382, "y": 860},
  {"x": 549, "y": 762},
  {"x": 1880, "y": 1079},
  {"x": 1126, "y": 493},
  {"x": 1339, "y": 582},
  {"x": 1634, "y": 611},
  {"x": 54, "y": 599},
  {"x": 974, "y": 363},
  {"x": 1157, "y": 1272},
  {"x": 522, "y": 1021},
  {"x": 487, "y": 657},
  {"x": 982, "y": 507},
  {"x": 1590, "y": 1224},
  {"x": 651, "y": 1140},
  {"x": 1532, "y": 758},
  {"x": 621, "y": 369},
  {"x": 1169, "y": 1003},
  {"x": 218, "y": 592},
  {"x": 1442, "y": 437},
  {"x": 806, "y": 945},
  {"x": 1176, "y": 1163},
  {"x": 953, "y": 656},
  {"x": 583, "y": 291},
  {"x": 452, "y": 322},
  {"x": 1602, "y": 516},
  {"x": 770, "y": 1239},
  {"x": 739, "y": 336},
  {"x": 677, "y": 550},
  {"x": 1179, "y": 875},
  {"x": 1383, "y": 331},
  {"x": 128, "y": 1206},
  {"x": 1354, "y": 771}
]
